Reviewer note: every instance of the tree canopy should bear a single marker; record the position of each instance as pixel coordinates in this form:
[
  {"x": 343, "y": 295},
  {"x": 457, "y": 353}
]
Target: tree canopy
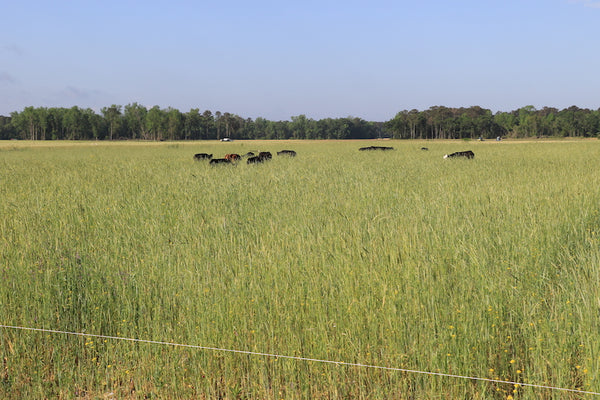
[{"x": 134, "y": 121}]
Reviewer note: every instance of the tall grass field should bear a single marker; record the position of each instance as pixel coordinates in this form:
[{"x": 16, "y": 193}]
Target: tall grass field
[{"x": 486, "y": 268}]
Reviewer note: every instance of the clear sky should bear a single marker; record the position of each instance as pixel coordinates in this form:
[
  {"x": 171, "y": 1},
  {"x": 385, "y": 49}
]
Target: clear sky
[{"x": 282, "y": 58}]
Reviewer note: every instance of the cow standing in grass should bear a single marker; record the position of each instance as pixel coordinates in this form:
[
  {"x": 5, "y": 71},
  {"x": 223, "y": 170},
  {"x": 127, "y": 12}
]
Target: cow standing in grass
[
  {"x": 233, "y": 157},
  {"x": 260, "y": 158},
  {"x": 216, "y": 161},
  {"x": 383, "y": 148},
  {"x": 266, "y": 155},
  {"x": 290, "y": 153},
  {"x": 467, "y": 154},
  {"x": 254, "y": 160},
  {"x": 202, "y": 156}
]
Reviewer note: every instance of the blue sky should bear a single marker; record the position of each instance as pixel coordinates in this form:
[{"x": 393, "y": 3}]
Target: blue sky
[{"x": 277, "y": 59}]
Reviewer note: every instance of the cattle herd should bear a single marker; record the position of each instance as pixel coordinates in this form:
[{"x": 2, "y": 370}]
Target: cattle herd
[
  {"x": 251, "y": 157},
  {"x": 260, "y": 157}
]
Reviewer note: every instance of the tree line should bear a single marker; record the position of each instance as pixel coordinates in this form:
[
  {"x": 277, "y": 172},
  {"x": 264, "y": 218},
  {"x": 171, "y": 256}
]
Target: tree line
[
  {"x": 475, "y": 122},
  {"x": 134, "y": 121}
]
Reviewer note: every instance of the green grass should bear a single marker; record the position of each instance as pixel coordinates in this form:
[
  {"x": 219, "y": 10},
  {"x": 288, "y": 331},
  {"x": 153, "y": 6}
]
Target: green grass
[{"x": 486, "y": 267}]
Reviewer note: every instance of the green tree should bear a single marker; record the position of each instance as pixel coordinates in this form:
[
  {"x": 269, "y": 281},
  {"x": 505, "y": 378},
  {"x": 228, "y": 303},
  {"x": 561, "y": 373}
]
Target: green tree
[
  {"x": 218, "y": 123},
  {"x": 42, "y": 122},
  {"x": 247, "y": 129},
  {"x": 528, "y": 122},
  {"x": 7, "y": 131},
  {"x": 113, "y": 117},
  {"x": 439, "y": 119},
  {"x": 417, "y": 124},
  {"x": 135, "y": 118},
  {"x": 192, "y": 124},
  {"x": 208, "y": 125},
  {"x": 299, "y": 126},
  {"x": 312, "y": 130},
  {"x": 73, "y": 122},
  {"x": 93, "y": 125},
  {"x": 547, "y": 120},
  {"x": 507, "y": 123},
  {"x": 232, "y": 124},
  {"x": 260, "y": 128},
  {"x": 26, "y": 123},
  {"x": 484, "y": 123},
  {"x": 174, "y": 123},
  {"x": 572, "y": 121},
  {"x": 399, "y": 126},
  {"x": 591, "y": 123},
  {"x": 56, "y": 128},
  {"x": 155, "y": 123}
]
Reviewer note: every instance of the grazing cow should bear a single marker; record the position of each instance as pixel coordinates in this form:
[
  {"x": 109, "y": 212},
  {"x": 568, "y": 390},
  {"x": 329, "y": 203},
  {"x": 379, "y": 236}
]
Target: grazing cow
[
  {"x": 265, "y": 155},
  {"x": 468, "y": 154},
  {"x": 233, "y": 157},
  {"x": 376, "y": 148},
  {"x": 261, "y": 157},
  {"x": 290, "y": 153},
  {"x": 255, "y": 160},
  {"x": 248, "y": 154},
  {"x": 202, "y": 156},
  {"x": 215, "y": 161},
  {"x": 424, "y": 148}
]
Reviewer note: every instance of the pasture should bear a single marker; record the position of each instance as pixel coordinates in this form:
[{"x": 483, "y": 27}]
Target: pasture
[{"x": 483, "y": 268}]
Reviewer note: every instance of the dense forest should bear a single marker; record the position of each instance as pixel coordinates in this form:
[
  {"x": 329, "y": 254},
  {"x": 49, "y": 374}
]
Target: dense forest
[{"x": 134, "y": 121}]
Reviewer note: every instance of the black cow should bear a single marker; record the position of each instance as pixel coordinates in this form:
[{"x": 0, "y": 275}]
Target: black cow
[
  {"x": 265, "y": 155},
  {"x": 468, "y": 154},
  {"x": 290, "y": 153},
  {"x": 261, "y": 157},
  {"x": 248, "y": 154},
  {"x": 220, "y": 161},
  {"x": 376, "y": 148},
  {"x": 424, "y": 148},
  {"x": 255, "y": 160},
  {"x": 202, "y": 156}
]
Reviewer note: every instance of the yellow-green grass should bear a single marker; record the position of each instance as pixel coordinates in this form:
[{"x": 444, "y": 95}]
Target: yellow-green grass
[{"x": 486, "y": 268}]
